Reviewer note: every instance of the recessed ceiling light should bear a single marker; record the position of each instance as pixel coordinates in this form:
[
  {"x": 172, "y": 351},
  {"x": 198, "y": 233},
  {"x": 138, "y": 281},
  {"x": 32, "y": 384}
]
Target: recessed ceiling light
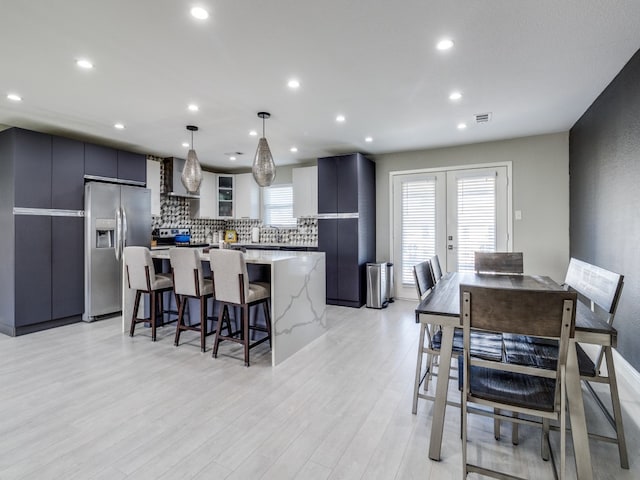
[
  {"x": 253, "y": 133},
  {"x": 199, "y": 13},
  {"x": 293, "y": 83},
  {"x": 340, "y": 118},
  {"x": 119, "y": 126},
  {"x": 232, "y": 158},
  {"x": 14, "y": 97},
  {"x": 84, "y": 63},
  {"x": 193, "y": 107},
  {"x": 185, "y": 144},
  {"x": 462, "y": 126},
  {"x": 444, "y": 44},
  {"x": 368, "y": 139},
  {"x": 293, "y": 149},
  {"x": 455, "y": 96}
]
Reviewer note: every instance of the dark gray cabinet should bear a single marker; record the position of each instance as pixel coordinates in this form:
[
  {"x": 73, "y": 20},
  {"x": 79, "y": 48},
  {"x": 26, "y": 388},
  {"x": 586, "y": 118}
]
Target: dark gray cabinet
[
  {"x": 67, "y": 174},
  {"x": 100, "y": 161},
  {"x": 32, "y": 173},
  {"x": 132, "y": 166},
  {"x": 67, "y": 267},
  {"x": 346, "y": 227},
  {"x": 32, "y": 269}
]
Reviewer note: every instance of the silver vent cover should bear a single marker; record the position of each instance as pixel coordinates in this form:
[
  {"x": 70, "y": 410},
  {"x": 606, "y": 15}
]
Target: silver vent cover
[{"x": 483, "y": 117}]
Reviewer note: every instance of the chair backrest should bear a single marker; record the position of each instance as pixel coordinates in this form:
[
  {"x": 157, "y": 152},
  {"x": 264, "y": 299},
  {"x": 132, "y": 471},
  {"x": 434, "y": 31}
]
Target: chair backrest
[
  {"x": 498, "y": 262},
  {"x": 535, "y": 313},
  {"x": 230, "y": 277},
  {"x": 423, "y": 276},
  {"x": 187, "y": 271},
  {"x": 600, "y": 286},
  {"x": 435, "y": 268},
  {"x": 139, "y": 268}
]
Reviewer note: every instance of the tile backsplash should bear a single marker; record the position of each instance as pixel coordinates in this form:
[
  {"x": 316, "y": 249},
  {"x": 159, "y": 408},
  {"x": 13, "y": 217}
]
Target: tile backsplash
[{"x": 175, "y": 213}]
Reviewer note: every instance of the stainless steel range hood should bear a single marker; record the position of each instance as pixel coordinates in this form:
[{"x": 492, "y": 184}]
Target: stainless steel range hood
[{"x": 172, "y": 183}]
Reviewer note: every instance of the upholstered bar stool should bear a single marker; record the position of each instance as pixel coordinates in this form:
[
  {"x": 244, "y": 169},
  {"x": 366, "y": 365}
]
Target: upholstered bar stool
[
  {"x": 189, "y": 282},
  {"x": 232, "y": 289},
  {"x": 142, "y": 276}
]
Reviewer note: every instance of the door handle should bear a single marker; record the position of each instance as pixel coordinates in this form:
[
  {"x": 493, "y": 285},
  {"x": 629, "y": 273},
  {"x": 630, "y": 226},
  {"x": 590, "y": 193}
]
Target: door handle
[{"x": 118, "y": 245}]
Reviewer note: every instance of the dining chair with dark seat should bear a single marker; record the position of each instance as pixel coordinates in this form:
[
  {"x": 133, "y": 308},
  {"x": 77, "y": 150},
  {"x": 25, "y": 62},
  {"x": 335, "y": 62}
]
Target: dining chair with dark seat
[
  {"x": 486, "y": 345},
  {"x": 436, "y": 271},
  {"x": 232, "y": 288},
  {"x": 522, "y": 389},
  {"x": 142, "y": 277}
]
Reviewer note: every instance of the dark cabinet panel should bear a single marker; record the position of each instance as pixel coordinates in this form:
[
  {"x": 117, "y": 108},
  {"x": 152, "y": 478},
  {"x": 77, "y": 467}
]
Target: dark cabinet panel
[
  {"x": 32, "y": 269},
  {"x": 32, "y": 164},
  {"x": 327, "y": 185},
  {"x": 67, "y": 174},
  {"x": 347, "y": 183},
  {"x": 67, "y": 266},
  {"x": 328, "y": 243},
  {"x": 347, "y": 261},
  {"x": 100, "y": 161},
  {"x": 132, "y": 166}
]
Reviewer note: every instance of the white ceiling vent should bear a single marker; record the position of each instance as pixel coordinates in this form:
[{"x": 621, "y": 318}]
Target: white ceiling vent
[{"x": 483, "y": 117}]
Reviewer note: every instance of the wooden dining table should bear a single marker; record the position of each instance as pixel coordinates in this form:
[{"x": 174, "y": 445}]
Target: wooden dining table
[{"x": 442, "y": 307}]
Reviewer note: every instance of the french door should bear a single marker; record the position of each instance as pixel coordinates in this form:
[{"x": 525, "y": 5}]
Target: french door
[{"x": 449, "y": 213}]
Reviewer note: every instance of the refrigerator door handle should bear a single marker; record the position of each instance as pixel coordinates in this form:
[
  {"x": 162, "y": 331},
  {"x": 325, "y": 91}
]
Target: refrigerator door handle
[
  {"x": 118, "y": 243},
  {"x": 124, "y": 230}
]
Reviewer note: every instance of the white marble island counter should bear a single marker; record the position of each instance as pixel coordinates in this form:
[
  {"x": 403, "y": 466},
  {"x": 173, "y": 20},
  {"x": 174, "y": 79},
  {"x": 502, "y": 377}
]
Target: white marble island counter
[{"x": 298, "y": 293}]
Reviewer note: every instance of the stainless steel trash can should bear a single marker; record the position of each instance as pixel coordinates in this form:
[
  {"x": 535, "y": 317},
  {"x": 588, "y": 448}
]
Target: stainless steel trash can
[
  {"x": 390, "y": 286},
  {"x": 376, "y": 285}
]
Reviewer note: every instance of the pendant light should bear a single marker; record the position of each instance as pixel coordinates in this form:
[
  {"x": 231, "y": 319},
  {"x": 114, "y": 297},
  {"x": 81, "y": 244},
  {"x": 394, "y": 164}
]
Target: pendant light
[
  {"x": 264, "y": 169},
  {"x": 192, "y": 171}
]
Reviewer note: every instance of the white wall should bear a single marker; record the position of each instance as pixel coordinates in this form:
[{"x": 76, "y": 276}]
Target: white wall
[{"x": 540, "y": 191}]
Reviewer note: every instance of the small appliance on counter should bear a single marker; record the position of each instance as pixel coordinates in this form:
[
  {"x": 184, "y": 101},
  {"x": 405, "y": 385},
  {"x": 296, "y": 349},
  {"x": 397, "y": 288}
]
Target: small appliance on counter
[{"x": 178, "y": 237}]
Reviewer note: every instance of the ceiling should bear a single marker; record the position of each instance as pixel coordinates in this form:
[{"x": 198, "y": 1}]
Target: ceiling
[{"x": 535, "y": 66}]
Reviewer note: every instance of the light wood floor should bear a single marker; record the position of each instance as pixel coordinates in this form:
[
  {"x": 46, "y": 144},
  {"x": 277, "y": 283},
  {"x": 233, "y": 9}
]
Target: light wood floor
[{"x": 86, "y": 401}]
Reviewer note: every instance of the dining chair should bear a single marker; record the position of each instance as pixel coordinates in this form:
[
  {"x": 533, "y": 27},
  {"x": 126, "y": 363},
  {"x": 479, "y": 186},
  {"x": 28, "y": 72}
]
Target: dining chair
[
  {"x": 487, "y": 345},
  {"x": 189, "y": 282},
  {"x": 231, "y": 288},
  {"x": 142, "y": 277},
  {"x": 498, "y": 262},
  {"x": 522, "y": 389},
  {"x": 435, "y": 268}
]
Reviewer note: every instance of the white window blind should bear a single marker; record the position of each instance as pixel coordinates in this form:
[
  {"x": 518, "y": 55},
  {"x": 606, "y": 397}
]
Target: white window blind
[
  {"x": 418, "y": 224},
  {"x": 476, "y": 218},
  {"x": 277, "y": 204}
]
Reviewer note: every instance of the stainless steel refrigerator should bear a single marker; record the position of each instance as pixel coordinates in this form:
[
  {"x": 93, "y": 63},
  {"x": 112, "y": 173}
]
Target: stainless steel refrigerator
[{"x": 115, "y": 216}]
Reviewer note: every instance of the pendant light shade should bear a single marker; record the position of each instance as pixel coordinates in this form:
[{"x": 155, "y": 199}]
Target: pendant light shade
[
  {"x": 264, "y": 168},
  {"x": 192, "y": 172}
]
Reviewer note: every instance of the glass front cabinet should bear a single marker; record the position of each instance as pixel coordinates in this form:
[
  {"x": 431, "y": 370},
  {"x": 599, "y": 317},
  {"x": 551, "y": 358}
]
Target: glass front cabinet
[{"x": 225, "y": 196}]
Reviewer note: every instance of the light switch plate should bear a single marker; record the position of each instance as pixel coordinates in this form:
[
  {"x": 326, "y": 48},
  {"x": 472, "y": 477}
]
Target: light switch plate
[{"x": 518, "y": 214}]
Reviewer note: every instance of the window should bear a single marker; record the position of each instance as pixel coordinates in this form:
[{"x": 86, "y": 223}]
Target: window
[
  {"x": 277, "y": 206},
  {"x": 418, "y": 200}
]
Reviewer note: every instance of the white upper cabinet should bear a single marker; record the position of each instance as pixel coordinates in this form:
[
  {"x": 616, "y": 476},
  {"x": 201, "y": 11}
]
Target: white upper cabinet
[
  {"x": 305, "y": 192},
  {"x": 205, "y": 206},
  {"x": 225, "y": 196},
  {"x": 153, "y": 184},
  {"x": 247, "y": 196}
]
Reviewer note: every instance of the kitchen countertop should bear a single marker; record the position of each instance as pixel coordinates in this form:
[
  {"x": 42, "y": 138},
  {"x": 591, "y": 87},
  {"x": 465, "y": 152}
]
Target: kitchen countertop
[{"x": 254, "y": 246}]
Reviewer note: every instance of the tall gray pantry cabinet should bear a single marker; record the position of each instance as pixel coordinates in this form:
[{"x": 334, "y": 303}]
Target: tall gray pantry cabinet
[
  {"x": 42, "y": 241},
  {"x": 346, "y": 225}
]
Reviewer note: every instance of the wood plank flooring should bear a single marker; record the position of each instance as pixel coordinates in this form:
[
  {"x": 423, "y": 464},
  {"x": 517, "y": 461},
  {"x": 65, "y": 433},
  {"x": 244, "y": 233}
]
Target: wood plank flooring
[{"x": 88, "y": 402}]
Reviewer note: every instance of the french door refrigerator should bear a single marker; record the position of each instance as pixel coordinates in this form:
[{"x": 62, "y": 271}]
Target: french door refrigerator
[
  {"x": 115, "y": 216},
  {"x": 346, "y": 225}
]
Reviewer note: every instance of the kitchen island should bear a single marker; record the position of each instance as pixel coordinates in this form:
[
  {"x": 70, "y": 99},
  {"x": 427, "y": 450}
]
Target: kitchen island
[{"x": 298, "y": 293}]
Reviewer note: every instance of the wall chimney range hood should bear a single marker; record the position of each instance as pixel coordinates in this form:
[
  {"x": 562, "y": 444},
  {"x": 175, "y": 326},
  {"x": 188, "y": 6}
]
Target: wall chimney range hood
[{"x": 173, "y": 186}]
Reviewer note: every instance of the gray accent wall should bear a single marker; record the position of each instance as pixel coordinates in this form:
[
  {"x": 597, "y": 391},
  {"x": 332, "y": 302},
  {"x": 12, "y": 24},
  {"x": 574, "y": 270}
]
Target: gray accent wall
[
  {"x": 604, "y": 169},
  {"x": 540, "y": 190}
]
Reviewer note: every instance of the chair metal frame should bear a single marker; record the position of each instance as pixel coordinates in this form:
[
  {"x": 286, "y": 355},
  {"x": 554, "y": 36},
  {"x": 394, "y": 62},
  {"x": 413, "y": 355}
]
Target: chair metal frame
[{"x": 548, "y": 314}]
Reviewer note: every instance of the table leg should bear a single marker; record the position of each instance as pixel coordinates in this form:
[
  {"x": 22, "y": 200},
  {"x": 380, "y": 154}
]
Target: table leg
[
  {"x": 442, "y": 386},
  {"x": 576, "y": 412}
]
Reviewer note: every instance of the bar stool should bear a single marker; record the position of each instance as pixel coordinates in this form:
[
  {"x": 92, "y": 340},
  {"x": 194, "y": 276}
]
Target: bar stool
[
  {"x": 232, "y": 289},
  {"x": 142, "y": 276},
  {"x": 189, "y": 282}
]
